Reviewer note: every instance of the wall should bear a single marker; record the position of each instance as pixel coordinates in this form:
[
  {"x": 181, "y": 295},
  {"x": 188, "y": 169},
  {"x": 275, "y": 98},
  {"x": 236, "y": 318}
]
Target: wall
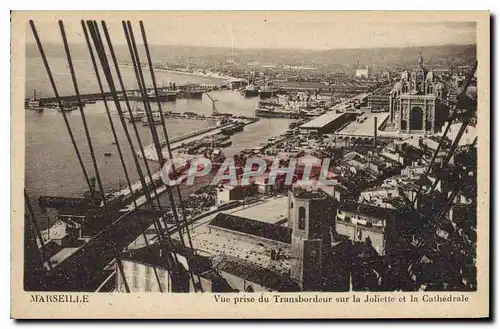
[
  {"x": 228, "y": 194},
  {"x": 351, "y": 230},
  {"x": 136, "y": 277},
  {"x": 238, "y": 236}
]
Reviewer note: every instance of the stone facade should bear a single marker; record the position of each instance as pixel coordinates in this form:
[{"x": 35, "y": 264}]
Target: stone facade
[{"x": 414, "y": 101}]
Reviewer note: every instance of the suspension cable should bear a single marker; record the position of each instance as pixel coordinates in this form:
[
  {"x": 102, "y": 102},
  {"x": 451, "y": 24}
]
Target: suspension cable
[
  {"x": 80, "y": 106},
  {"x": 117, "y": 68},
  {"x": 150, "y": 176},
  {"x": 164, "y": 126},
  {"x": 181, "y": 203},
  {"x": 140, "y": 79},
  {"x": 120, "y": 153},
  {"x": 172, "y": 262},
  {"x": 106, "y": 69},
  {"x": 61, "y": 109},
  {"x": 122, "y": 86}
]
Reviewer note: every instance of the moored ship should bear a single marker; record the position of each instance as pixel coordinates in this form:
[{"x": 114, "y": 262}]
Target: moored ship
[
  {"x": 267, "y": 92},
  {"x": 155, "y": 117},
  {"x": 275, "y": 112},
  {"x": 137, "y": 115},
  {"x": 164, "y": 95},
  {"x": 34, "y": 103},
  {"x": 251, "y": 91},
  {"x": 238, "y": 127}
]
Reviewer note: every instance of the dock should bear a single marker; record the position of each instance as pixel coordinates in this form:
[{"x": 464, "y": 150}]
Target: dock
[
  {"x": 180, "y": 92},
  {"x": 178, "y": 141}
]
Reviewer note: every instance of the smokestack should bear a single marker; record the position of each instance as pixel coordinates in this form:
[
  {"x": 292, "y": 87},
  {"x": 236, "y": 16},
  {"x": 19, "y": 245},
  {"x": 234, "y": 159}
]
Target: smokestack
[{"x": 374, "y": 132}]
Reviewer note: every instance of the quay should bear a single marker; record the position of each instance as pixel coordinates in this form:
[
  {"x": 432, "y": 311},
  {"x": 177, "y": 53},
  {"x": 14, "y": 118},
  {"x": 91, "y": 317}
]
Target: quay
[
  {"x": 178, "y": 141},
  {"x": 180, "y": 92}
]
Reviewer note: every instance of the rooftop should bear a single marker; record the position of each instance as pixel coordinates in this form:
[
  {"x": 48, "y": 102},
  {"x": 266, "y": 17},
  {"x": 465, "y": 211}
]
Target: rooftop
[
  {"x": 365, "y": 128},
  {"x": 309, "y": 193},
  {"x": 270, "y": 210},
  {"x": 151, "y": 256},
  {"x": 252, "y": 227},
  {"x": 264, "y": 277},
  {"x": 300, "y": 84},
  {"x": 368, "y": 210},
  {"x": 322, "y": 120}
]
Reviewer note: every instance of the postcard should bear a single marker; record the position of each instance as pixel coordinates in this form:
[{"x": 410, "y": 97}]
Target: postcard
[{"x": 250, "y": 164}]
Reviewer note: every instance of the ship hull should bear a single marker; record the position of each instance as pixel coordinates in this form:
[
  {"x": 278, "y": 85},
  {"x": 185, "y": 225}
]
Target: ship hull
[
  {"x": 267, "y": 94},
  {"x": 161, "y": 98},
  {"x": 191, "y": 94},
  {"x": 135, "y": 119},
  {"x": 275, "y": 114},
  {"x": 250, "y": 93}
]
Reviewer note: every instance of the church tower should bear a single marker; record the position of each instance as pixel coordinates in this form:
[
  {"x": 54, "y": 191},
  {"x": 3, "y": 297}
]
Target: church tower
[{"x": 310, "y": 213}]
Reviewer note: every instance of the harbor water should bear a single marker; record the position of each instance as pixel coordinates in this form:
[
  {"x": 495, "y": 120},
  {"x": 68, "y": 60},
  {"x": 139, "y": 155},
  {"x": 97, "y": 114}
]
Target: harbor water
[{"x": 51, "y": 166}]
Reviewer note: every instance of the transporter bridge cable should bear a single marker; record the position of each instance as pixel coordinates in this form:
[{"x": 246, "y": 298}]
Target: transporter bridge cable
[
  {"x": 102, "y": 56},
  {"x": 169, "y": 149},
  {"x": 140, "y": 79},
  {"x": 120, "y": 153},
  {"x": 80, "y": 106},
  {"x": 61, "y": 108},
  {"x": 165, "y": 241}
]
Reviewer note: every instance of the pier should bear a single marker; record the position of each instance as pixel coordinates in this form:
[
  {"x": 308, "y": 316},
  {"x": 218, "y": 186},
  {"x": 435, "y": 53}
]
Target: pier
[
  {"x": 178, "y": 141},
  {"x": 181, "y": 92}
]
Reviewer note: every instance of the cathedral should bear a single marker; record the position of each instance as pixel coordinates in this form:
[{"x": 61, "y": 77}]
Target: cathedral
[{"x": 418, "y": 102}]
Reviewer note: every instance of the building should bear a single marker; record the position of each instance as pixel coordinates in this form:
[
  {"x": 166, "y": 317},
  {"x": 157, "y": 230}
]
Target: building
[
  {"x": 365, "y": 72},
  {"x": 310, "y": 213},
  {"x": 373, "y": 225},
  {"x": 418, "y": 102},
  {"x": 147, "y": 270},
  {"x": 328, "y": 122},
  {"x": 378, "y": 103},
  {"x": 242, "y": 275},
  {"x": 301, "y": 86},
  {"x": 272, "y": 236},
  {"x": 228, "y": 192}
]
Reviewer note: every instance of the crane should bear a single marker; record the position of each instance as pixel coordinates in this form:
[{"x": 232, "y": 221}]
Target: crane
[{"x": 214, "y": 109}]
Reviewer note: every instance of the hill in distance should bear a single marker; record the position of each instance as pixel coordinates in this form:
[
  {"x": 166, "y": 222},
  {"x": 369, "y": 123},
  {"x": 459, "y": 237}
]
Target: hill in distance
[{"x": 434, "y": 56}]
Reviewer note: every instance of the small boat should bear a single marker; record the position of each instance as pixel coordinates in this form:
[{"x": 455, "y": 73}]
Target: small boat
[
  {"x": 225, "y": 143},
  {"x": 137, "y": 115},
  {"x": 156, "y": 117},
  {"x": 68, "y": 108},
  {"x": 34, "y": 103}
]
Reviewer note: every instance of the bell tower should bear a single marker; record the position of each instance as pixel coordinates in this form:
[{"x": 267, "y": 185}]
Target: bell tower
[{"x": 310, "y": 213}]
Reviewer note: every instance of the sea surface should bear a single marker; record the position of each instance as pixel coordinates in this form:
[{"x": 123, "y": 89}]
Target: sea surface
[{"x": 51, "y": 166}]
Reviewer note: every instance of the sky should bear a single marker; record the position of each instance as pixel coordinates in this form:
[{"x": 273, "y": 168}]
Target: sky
[{"x": 307, "y": 30}]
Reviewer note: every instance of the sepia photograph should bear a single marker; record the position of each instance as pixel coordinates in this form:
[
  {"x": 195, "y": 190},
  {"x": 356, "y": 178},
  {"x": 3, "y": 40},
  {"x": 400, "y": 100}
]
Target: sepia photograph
[{"x": 231, "y": 159}]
